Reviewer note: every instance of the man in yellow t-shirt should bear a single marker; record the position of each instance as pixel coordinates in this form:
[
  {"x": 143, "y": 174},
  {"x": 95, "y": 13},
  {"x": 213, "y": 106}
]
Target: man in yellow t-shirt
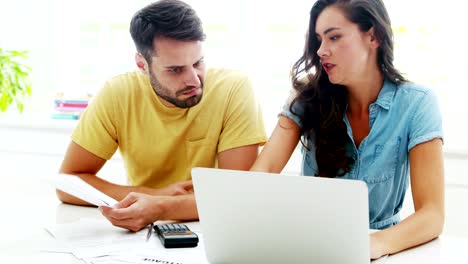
[{"x": 171, "y": 116}]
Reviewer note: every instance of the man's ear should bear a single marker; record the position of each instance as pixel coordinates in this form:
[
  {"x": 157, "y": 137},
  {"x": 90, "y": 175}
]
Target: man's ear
[
  {"x": 374, "y": 42},
  {"x": 141, "y": 63}
]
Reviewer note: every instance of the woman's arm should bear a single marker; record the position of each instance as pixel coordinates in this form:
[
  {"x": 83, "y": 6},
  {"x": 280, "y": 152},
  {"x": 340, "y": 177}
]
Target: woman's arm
[
  {"x": 427, "y": 187},
  {"x": 277, "y": 151}
]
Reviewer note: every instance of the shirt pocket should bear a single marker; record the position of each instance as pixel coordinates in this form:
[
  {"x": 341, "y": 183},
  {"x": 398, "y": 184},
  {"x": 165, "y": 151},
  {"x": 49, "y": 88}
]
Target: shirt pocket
[
  {"x": 384, "y": 162},
  {"x": 201, "y": 152}
]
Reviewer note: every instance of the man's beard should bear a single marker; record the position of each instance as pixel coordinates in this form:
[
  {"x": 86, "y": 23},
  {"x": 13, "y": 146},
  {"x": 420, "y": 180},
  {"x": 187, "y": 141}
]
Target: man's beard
[{"x": 164, "y": 93}]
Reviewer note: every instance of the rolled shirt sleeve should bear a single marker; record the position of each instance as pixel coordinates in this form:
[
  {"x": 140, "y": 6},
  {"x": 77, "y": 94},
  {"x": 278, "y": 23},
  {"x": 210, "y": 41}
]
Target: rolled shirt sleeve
[{"x": 426, "y": 123}]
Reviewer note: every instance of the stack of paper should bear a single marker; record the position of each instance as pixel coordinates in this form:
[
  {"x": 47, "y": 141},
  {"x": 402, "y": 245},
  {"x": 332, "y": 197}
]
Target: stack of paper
[{"x": 96, "y": 241}]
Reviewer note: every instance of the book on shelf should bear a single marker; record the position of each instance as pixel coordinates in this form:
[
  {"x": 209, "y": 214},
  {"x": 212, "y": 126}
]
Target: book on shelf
[
  {"x": 69, "y": 106},
  {"x": 67, "y": 116}
]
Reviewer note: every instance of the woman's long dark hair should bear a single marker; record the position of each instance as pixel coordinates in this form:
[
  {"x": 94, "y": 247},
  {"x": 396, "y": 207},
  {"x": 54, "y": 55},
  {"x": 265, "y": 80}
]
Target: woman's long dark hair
[{"x": 325, "y": 103}]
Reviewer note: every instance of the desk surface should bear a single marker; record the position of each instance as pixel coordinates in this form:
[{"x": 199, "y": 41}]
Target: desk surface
[{"x": 30, "y": 205}]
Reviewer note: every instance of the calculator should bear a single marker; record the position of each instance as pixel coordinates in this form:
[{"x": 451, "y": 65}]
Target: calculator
[{"x": 176, "y": 235}]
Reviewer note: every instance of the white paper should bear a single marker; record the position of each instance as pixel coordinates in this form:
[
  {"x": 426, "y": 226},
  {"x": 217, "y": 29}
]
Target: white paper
[
  {"x": 87, "y": 229},
  {"x": 96, "y": 241},
  {"x": 149, "y": 256},
  {"x": 95, "y": 238},
  {"x": 75, "y": 186},
  {"x": 179, "y": 256}
]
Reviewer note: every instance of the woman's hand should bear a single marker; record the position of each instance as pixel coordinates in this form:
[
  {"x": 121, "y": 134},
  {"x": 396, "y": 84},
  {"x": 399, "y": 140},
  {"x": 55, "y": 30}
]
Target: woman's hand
[{"x": 376, "y": 246}]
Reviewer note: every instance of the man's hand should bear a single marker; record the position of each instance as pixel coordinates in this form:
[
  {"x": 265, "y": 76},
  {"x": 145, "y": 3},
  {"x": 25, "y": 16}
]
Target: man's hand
[
  {"x": 136, "y": 211},
  {"x": 178, "y": 188}
]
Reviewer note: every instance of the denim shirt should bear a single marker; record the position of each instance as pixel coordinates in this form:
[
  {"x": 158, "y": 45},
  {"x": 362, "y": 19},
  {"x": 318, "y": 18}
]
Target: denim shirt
[{"x": 402, "y": 117}]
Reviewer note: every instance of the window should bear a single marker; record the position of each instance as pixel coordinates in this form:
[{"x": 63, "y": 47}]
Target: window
[{"x": 76, "y": 46}]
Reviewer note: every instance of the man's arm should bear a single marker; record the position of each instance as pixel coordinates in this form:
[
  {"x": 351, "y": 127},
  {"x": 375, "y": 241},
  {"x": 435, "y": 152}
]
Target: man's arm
[
  {"x": 78, "y": 161},
  {"x": 137, "y": 211},
  {"x": 240, "y": 158},
  {"x": 183, "y": 207}
]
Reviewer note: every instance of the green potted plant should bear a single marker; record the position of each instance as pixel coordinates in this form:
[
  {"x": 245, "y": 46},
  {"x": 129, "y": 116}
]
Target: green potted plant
[{"x": 15, "y": 85}]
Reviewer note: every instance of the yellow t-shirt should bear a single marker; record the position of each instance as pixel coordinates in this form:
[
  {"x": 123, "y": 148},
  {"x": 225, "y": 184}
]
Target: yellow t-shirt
[{"x": 160, "y": 145}]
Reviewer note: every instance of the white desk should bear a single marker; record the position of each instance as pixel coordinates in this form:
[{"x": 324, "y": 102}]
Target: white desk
[
  {"x": 23, "y": 246},
  {"x": 29, "y": 204}
]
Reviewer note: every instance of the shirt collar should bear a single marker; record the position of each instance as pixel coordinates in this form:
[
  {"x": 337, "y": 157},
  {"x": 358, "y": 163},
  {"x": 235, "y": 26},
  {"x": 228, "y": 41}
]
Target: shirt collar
[{"x": 386, "y": 95}]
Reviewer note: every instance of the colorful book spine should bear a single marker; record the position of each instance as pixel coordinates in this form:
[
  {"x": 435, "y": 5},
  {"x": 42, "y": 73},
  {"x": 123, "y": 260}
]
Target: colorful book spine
[
  {"x": 66, "y": 116},
  {"x": 69, "y": 108},
  {"x": 84, "y": 105},
  {"x": 71, "y": 101}
]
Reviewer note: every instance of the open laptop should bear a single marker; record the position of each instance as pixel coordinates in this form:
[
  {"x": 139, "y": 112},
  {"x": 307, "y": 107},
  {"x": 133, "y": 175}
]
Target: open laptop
[{"x": 252, "y": 217}]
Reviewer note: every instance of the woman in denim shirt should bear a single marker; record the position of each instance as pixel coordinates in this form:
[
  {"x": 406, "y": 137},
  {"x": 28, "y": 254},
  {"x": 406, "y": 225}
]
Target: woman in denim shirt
[{"x": 359, "y": 118}]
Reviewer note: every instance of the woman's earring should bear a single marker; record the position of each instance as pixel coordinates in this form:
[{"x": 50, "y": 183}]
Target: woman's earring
[{"x": 382, "y": 66}]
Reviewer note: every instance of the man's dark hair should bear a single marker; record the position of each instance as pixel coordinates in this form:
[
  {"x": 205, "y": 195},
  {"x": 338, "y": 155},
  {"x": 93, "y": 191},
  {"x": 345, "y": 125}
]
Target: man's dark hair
[{"x": 172, "y": 19}]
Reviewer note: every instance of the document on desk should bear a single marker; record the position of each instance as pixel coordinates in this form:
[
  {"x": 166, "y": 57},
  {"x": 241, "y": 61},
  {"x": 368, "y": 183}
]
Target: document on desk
[
  {"x": 95, "y": 241},
  {"x": 75, "y": 186},
  {"x": 91, "y": 237},
  {"x": 161, "y": 257},
  {"x": 146, "y": 255}
]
